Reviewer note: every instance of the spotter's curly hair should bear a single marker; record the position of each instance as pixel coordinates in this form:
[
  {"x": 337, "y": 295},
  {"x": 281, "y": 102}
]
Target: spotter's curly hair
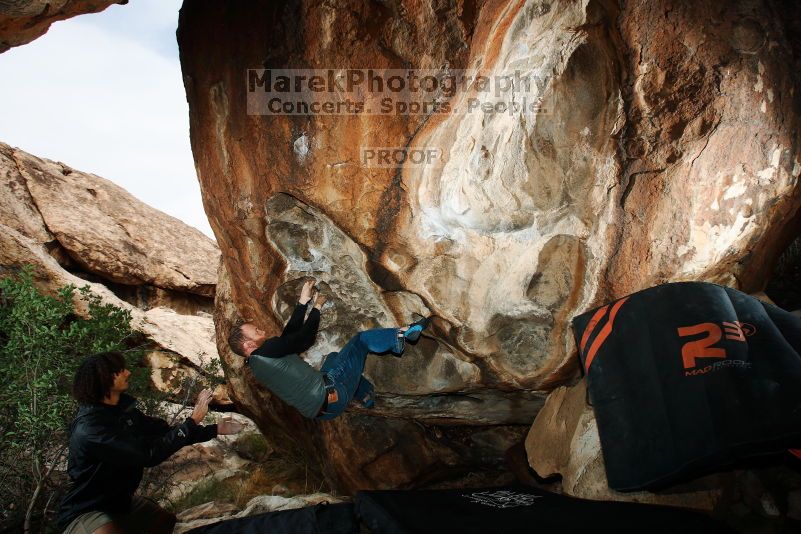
[{"x": 95, "y": 377}]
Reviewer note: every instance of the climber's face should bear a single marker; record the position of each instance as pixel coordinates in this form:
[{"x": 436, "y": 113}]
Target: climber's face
[{"x": 254, "y": 337}]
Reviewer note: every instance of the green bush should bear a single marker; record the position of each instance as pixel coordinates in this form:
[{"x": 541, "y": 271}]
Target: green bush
[
  {"x": 42, "y": 341},
  {"x": 253, "y": 446}
]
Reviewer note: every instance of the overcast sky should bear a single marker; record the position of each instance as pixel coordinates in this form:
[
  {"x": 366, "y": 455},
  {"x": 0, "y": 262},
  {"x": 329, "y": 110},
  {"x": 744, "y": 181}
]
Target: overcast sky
[{"x": 103, "y": 93}]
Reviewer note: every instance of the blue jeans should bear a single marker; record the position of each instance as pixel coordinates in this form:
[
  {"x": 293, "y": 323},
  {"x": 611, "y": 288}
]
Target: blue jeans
[{"x": 344, "y": 368}]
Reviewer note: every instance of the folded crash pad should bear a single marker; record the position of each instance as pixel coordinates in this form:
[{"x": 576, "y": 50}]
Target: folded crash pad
[
  {"x": 515, "y": 510},
  {"x": 318, "y": 519},
  {"x": 687, "y": 377}
]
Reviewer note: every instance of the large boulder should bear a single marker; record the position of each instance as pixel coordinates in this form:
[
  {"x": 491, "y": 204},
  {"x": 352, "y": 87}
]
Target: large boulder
[
  {"x": 666, "y": 149},
  {"x": 102, "y": 228}
]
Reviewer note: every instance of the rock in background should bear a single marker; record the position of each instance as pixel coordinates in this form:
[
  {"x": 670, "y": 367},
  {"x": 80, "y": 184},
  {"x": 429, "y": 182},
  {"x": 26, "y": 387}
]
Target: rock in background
[
  {"x": 77, "y": 228},
  {"x": 194, "y": 466},
  {"x": 668, "y": 151},
  {"x": 230, "y": 477},
  {"x": 22, "y": 21}
]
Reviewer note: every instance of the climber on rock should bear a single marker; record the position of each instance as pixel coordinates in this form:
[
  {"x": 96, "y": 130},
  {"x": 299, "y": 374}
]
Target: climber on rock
[{"x": 323, "y": 394}]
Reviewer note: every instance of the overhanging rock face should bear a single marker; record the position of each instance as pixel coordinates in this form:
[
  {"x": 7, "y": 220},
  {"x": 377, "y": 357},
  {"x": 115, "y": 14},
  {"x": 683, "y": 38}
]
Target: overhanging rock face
[{"x": 667, "y": 150}]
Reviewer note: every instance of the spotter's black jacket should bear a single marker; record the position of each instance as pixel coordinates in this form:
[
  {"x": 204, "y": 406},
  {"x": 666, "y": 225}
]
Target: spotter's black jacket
[{"x": 108, "y": 450}]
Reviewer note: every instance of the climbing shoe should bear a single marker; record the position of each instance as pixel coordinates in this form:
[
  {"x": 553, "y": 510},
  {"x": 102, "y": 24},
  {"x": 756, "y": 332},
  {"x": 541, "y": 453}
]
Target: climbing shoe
[{"x": 413, "y": 333}]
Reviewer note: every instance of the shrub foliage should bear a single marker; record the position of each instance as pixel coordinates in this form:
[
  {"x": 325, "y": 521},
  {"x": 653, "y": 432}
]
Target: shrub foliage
[{"x": 42, "y": 341}]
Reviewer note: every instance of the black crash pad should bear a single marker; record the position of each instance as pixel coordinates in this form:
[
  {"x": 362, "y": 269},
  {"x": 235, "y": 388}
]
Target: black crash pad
[
  {"x": 318, "y": 519},
  {"x": 687, "y": 377},
  {"x": 516, "y": 510}
]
